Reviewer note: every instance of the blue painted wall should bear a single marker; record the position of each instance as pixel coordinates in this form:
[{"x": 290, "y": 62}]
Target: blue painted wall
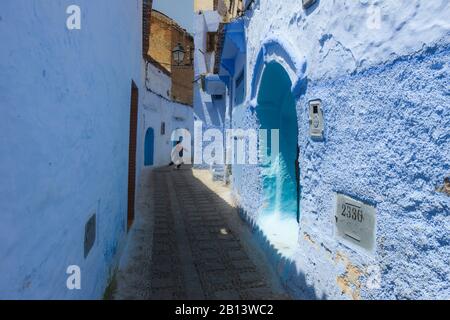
[
  {"x": 385, "y": 101},
  {"x": 65, "y": 109},
  {"x": 386, "y": 142}
]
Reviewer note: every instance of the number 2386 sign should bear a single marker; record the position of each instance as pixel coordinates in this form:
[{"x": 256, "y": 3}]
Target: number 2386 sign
[{"x": 355, "y": 222}]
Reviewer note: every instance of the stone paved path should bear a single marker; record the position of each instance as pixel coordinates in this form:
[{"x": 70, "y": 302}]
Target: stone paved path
[{"x": 189, "y": 243}]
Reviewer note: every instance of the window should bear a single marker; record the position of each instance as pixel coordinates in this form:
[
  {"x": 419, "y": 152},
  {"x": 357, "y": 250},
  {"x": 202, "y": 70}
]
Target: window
[
  {"x": 163, "y": 128},
  {"x": 211, "y": 40}
]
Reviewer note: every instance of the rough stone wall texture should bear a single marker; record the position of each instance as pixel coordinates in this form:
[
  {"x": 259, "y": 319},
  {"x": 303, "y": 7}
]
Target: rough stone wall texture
[
  {"x": 387, "y": 142},
  {"x": 65, "y": 98},
  {"x": 385, "y": 100}
]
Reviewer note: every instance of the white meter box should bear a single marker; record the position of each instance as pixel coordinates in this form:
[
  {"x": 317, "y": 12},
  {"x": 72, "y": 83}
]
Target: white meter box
[
  {"x": 355, "y": 222},
  {"x": 316, "y": 121}
]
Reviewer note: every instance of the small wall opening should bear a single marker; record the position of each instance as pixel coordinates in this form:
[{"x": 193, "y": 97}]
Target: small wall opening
[{"x": 277, "y": 110}]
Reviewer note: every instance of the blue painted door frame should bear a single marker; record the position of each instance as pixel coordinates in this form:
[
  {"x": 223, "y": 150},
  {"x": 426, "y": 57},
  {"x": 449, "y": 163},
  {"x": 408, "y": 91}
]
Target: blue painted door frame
[
  {"x": 149, "y": 147},
  {"x": 277, "y": 110}
]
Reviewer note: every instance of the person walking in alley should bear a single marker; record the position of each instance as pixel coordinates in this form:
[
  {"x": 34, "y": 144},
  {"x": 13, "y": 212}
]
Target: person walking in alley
[{"x": 177, "y": 155}]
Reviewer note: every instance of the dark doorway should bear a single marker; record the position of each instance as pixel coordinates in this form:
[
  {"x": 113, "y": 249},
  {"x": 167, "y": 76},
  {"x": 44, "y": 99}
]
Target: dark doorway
[
  {"x": 132, "y": 152},
  {"x": 276, "y": 109},
  {"x": 149, "y": 147}
]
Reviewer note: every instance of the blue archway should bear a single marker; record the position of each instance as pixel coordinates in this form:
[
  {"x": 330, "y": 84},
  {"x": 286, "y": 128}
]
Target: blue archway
[
  {"x": 149, "y": 147},
  {"x": 277, "y": 110},
  {"x": 278, "y": 81}
]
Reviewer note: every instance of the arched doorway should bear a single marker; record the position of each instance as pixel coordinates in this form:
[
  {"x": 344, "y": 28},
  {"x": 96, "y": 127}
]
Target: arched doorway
[
  {"x": 149, "y": 147},
  {"x": 276, "y": 109}
]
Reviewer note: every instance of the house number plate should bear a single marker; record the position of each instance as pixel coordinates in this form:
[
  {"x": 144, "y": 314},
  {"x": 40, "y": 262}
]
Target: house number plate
[{"x": 355, "y": 222}]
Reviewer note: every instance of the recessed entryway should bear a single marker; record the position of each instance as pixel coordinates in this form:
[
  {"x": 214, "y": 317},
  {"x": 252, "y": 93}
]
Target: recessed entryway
[
  {"x": 276, "y": 110},
  {"x": 149, "y": 147}
]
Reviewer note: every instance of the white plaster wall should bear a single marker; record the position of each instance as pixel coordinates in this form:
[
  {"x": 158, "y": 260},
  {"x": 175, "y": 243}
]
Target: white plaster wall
[
  {"x": 207, "y": 21},
  {"x": 157, "y": 109},
  {"x": 200, "y": 63},
  {"x": 339, "y": 37},
  {"x": 158, "y": 81},
  {"x": 209, "y": 113}
]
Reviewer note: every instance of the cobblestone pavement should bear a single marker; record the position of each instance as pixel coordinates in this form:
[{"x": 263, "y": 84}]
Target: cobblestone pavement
[{"x": 189, "y": 243}]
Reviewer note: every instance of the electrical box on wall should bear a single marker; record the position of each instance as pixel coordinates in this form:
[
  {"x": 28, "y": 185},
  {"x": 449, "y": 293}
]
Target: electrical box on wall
[
  {"x": 316, "y": 123},
  {"x": 355, "y": 223}
]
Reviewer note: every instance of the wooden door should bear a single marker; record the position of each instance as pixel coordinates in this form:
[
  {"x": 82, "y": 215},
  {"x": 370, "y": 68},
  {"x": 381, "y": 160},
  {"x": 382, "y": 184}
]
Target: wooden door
[{"x": 132, "y": 153}]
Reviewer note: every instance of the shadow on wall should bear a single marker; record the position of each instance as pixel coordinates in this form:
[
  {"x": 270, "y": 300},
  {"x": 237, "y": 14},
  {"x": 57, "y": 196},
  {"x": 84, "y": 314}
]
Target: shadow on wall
[
  {"x": 204, "y": 235},
  {"x": 291, "y": 278},
  {"x": 212, "y": 112},
  {"x": 215, "y": 113},
  {"x": 198, "y": 102},
  {"x": 312, "y": 8}
]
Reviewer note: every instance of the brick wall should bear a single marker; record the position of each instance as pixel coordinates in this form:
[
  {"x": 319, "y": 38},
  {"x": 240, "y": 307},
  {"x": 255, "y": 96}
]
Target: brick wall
[
  {"x": 146, "y": 25},
  {"x": 183, "y": 75},
  {"x": 161, "y": 40},
  {"x": 165, "y": 35}
]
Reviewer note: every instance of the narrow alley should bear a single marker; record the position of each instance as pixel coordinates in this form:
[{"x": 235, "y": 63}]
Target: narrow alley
[
  {"x": 188, "y": 242},
  {"x": 308, "y": 144}
]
